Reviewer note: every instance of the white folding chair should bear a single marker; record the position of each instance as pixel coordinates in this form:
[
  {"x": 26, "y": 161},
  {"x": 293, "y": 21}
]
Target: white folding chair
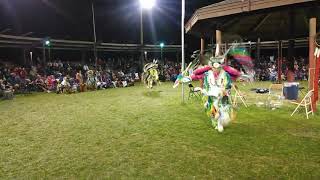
[
  {"x": 306, "y": 103},
  {"x": 276, "y": 90},
  {"x": 239, "y": 95},
  {"x": 275, "y": 96}
]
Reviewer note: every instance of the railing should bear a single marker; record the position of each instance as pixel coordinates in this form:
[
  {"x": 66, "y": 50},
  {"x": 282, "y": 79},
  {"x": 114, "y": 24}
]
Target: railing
[{"x": 31, "y": 42}]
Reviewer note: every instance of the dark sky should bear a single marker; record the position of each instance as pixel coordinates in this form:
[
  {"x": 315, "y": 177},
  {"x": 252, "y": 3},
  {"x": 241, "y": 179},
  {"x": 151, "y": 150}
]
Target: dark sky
[{"x": 117, "y": 20}]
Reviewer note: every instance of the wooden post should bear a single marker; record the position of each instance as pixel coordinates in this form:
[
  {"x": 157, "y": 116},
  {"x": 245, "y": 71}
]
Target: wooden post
[
  {"x": 316, "y": 81},
  {"x": 218, "y": 39},
  {"x": 177, "y": 56},
  {"x": 24, "y": 56},
  {"x": 226, "y": 49},
  {"x": 202, "y": 45},
  {"x": 31, "y": 58},
  {"x": 44, "y": 55},
  {"x": 279, "y": 61},
  {"x": 258, "y": 51},
  {"x": 312, "y": 59},
  {"x": 49, "y": 54},
  {"x": 291, "y": 45},
  {"x": 316, "y": 86}
]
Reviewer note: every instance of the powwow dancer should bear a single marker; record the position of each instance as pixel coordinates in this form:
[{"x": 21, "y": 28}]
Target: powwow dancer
[
  {"x": 151, "y": 74},
  {"x": 217, "y": 82}
]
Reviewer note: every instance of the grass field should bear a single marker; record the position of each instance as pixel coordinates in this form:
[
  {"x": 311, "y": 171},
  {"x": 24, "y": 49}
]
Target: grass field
[{"x": 135, "y": 133}]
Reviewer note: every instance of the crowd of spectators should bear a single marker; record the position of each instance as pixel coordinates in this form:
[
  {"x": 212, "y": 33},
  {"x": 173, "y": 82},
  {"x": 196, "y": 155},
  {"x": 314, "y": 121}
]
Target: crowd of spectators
[
  {"x": 58, "y": 76},
  {"x": 266, "y": 69},
  {"x": 62, "y": 76},
  {"x": 169, "y": 71}
]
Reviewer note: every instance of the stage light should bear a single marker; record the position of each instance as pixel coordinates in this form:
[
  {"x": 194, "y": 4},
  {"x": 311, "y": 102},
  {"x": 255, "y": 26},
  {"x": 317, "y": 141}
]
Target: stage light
[
  {"x": 147, "y": 4},
  {"x": 47, "y": 43}
]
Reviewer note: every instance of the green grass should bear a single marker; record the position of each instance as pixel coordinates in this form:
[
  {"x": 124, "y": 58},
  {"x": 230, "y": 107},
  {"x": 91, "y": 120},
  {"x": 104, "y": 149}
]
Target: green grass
[{"x": 136, "y": 133}]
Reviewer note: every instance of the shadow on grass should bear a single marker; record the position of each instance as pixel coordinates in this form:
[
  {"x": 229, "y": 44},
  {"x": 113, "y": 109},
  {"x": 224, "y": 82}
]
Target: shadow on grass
[{"x": 152, "y": 94}]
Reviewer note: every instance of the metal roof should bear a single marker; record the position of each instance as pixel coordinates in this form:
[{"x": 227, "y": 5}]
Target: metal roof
[{"x": 268, "y": 19}]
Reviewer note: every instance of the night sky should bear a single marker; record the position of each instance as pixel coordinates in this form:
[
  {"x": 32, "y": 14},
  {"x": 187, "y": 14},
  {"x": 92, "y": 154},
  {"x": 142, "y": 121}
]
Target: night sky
[{"x": 117, "y": 20}]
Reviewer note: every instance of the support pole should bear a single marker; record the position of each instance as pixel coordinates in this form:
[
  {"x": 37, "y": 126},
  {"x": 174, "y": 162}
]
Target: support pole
[
  {"x": 31, "y": 58},
  {"x": 49, "y": 54},
  {"x": 226, "y": 46},
  {"x": 312, "y": 59},
  {"x": 24, "y": 57},
  {"x": 161, "y": 54},
  {"x": 141, "y": 38},
  {"x": 279, "y": 61},
  {"x": 202, "y": 45},
  {"x": 291, "y": 46},
  {"x": 43, "y": 55},
  {"x": 316, "y": 86},
  {"x": 177, "y": 57},
  {"x": 218, "y": 39},
  {"x": 183, "y": 6},
  {"x": 258, "y": 51},
  {"x": 94, "y": 36},
  {"x": 226, "y": 62},
  {"x": 202, "y": 48}
]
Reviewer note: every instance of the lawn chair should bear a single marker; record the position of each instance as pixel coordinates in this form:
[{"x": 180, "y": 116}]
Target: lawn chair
[
  {"x": 301, "y": 89},
  {"x": 276, "y": 90},
  {"x": 194, "y": 92},
  {"x": 239, "y": 95},
  {"x": 306, "y": 103},
  {"x": 275, "y": 96}
]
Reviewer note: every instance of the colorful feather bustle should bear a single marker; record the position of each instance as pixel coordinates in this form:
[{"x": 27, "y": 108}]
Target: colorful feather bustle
[
  {"x": 242, "y": 56},
  {"x": 234, "y": 73}
]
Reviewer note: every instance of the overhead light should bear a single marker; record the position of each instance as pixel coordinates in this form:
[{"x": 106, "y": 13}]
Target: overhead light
[
  {"x": 47, "y": 43},
  {"x": 147, "y": 4}
]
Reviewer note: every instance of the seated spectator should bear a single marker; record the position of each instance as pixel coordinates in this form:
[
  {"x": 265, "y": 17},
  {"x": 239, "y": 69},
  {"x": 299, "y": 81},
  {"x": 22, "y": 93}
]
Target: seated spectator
[
  {"x": 64, "y": 86},
  {"x": 51, "y": 83},
  {"x": 40, "y": 84},
  {"x": 80, "y": 82}
]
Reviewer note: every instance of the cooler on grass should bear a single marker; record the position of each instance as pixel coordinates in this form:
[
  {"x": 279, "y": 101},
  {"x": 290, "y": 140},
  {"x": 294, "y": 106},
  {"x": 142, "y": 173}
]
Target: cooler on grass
[{"x": 291, "y": 90}]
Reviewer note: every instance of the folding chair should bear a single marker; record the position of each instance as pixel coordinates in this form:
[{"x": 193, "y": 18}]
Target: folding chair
[
  {"x": 276, "y": 90},
  {"x": 194, "y": 92},
  {"x": 275, "y": 96},
  {"x": 239, "y": 95},
  {"x": 306, "y": 102},
  {"x": 301, "y": 91}
]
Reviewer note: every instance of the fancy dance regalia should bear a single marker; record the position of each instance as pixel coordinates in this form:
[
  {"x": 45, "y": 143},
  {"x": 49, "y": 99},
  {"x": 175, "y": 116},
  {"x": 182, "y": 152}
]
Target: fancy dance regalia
[
  {"x": 150, "y": 74},
  {"x": 216, "y": 92},
  {"x": 217, "y": 82}
]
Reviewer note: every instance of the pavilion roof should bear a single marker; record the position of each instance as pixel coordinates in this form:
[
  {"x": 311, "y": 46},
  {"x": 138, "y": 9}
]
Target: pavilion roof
[{"x": 268, "y": 19}]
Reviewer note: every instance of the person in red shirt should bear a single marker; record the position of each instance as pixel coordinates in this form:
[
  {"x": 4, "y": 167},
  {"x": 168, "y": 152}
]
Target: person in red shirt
[{"x": 23, "y": 73}]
